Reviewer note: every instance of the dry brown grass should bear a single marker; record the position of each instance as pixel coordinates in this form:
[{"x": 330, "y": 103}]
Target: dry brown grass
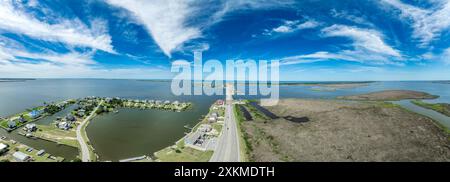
[{"x": 346, "y": 131}]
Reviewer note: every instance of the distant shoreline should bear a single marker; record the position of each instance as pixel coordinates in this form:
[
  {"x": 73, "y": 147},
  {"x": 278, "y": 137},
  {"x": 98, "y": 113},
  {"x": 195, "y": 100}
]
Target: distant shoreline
[
  {"x": 15, "y": 79},
  {"x": 390, "y": 95}
]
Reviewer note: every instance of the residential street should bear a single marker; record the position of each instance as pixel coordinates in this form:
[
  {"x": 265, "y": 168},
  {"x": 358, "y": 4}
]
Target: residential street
[
  {"x": 85, "y": 157},
  {"x": 227, "y": 149}
]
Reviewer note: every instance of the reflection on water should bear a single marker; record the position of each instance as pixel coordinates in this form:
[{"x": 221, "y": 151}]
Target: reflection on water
[
  {"x": 247, "y": 115},
  {"x": 134, "y": 132}
]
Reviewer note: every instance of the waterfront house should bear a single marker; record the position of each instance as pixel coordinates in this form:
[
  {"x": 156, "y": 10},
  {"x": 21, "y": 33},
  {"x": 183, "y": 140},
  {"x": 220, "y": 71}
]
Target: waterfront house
[
  {"x": 212, "y": 119},
  {"x": 81, "y": 112},
  {"x": 30, "y": 127},
  {"x": 21, "y": 157},
  {"x": 219, "y": 102},
  {"x": 205, "y": 128},
  {"x": 3, "y": 148},
  {"x": 70, "y": 117},
  {"x": 64, "y": 125},
  {"x": 21, "y": 119},
  {"x": 34, "y": 114},
  {"x": 176, "y": 102},
  {"x": 167, "y": 102},
  {"x": 12, "y": 124},
  {"x": 192, "y": 138}
]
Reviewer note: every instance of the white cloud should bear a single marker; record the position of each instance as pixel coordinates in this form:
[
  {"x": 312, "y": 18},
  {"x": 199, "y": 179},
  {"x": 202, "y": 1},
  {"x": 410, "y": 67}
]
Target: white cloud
[
  {"x": 165, "y": 21},
  {"x": 365, "y": 69},
  {"x": 228, "y": 6},
  {"x": 16, "y": 62},
  {"x": 49, "y": 70},
  {"x": 71, "y": 32},
  {"x": 314, "y": 57},
  {"x": 292, "y": 26},
  {"x": 362, "y": 20},
  {"x": 72, "y": 65},
  {"x": 367, "y": 46},
  {"x": 366, "y": 39},
  {"x": 428, "y": 24}
]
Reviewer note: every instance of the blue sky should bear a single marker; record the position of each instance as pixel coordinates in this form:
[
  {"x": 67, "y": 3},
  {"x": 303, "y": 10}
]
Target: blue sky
[{"x": 314, "y": 40}]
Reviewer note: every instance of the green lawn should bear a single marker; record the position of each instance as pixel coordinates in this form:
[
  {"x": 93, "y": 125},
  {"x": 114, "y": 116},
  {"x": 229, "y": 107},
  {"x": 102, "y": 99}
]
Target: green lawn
[
  {"x": 52, "y": 133},
  {"x": 183, "y": 154},
  {"x": 4, "y": 123},
  {"x": 217, "y": 127},
  {"x": 244, "y": 146}
]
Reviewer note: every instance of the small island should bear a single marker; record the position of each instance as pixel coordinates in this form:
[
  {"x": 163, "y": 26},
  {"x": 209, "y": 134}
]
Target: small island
[
  {"x": 330, "y": 85},
  {"x": 442, "y": 82},
  {"x": 390, "y": 95}
]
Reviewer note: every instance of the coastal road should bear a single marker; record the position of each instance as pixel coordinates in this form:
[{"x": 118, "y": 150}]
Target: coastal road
[
  {"x": 85, "y": 157},
  {"x": 227, "y": 149}
]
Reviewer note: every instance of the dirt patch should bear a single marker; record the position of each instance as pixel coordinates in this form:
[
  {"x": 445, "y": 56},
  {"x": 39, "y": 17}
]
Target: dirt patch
[
  {"x": 346, "y": 131},
  {"x": 390, "y": 95}
]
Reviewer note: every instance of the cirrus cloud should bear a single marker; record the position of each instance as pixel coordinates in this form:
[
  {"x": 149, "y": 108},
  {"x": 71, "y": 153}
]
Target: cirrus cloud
[{"x": 72, "y": 32}]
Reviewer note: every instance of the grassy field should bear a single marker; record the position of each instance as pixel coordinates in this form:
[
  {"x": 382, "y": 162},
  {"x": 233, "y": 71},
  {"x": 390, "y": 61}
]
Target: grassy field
[
  {"x": 244, "y": 144},
  {"x": 180, "y": 153},
  {"x": 4, "y": 123},
  {"x": 217, "y": 126},
  {"x": 256, "y": 114},
  {"x": 52, "y": 133}
]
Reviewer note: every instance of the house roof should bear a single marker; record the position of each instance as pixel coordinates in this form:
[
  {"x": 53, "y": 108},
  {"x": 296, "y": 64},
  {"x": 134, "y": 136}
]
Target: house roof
[
  {"x": 3, "y": 146},
  {"x": 20, "y": 156}
]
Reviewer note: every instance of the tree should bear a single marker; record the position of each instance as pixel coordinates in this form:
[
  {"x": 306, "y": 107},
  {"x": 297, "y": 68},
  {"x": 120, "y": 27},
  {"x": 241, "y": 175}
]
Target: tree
[
  {"x": 52, "y": 109},
  {"x": 77, "y": 160}
]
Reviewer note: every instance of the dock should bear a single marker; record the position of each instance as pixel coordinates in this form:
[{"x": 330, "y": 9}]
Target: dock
[
  {"x": 187, "y": 127},
  {"x": 133, "y": 159}
]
